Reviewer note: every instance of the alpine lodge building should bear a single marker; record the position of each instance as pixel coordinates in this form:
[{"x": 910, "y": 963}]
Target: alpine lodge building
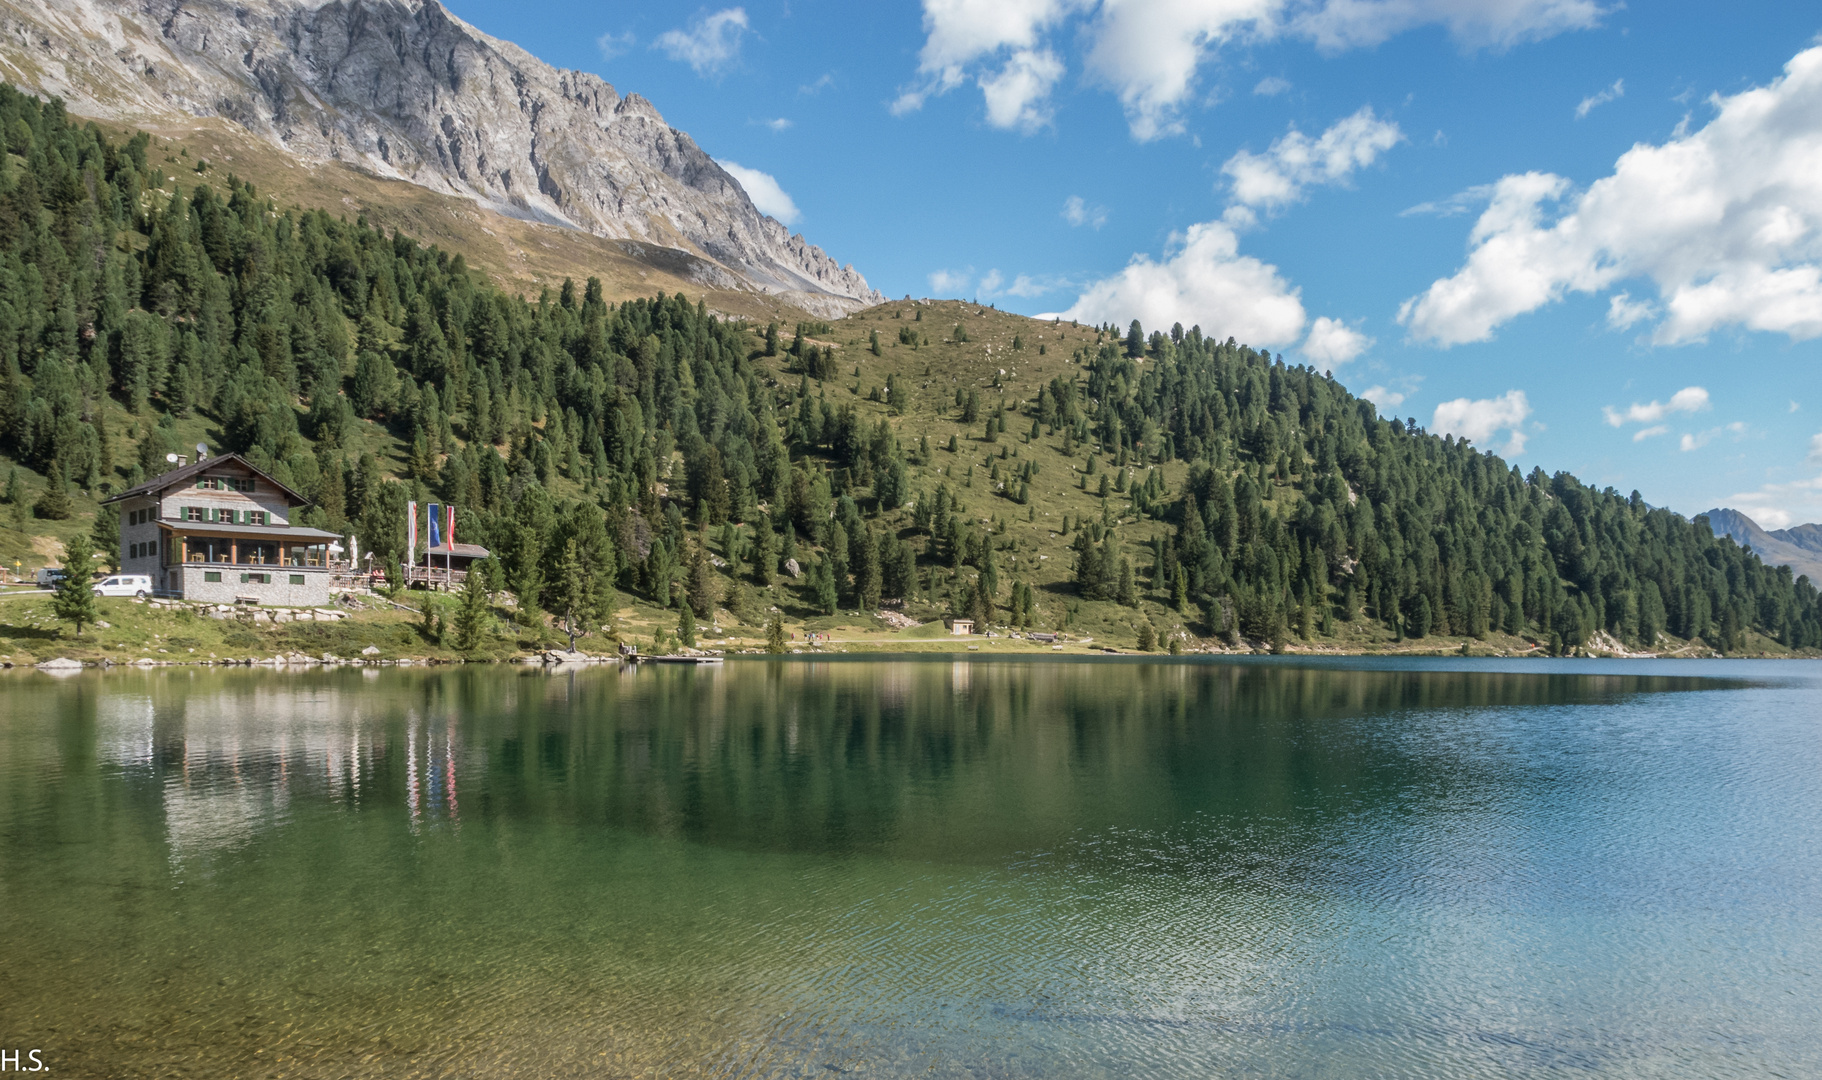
[{"x": 219, "y": 531}]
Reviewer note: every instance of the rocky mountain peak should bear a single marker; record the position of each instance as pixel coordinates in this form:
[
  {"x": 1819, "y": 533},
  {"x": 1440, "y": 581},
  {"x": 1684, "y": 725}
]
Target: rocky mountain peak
[{"x": 405, "y": 89}]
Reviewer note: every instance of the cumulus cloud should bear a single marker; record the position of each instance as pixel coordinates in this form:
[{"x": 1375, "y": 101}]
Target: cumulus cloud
[
  {"x": 1651, "y": 432},
  {"x": 1272, "y": 86},
  {"x": 764, "y": 190},
  {"x": 710, "y": 43},
  {"x": 1018, "y": 96},
  {"x": 1387, "y": 400},
  {"x": 1595, "y": 101},
  {"x": 1623, "y": 312},
  {"x": 1202, "y": 280},
  {"x": 950, "y": 282},
  {"x": 1690, "y": 399},
  {"x": 1332, "y": 343},
  {"x": 994, "y": 284},
  {"x": 781, "y": 123},
  {"x": 1699, "y": 439},
  {"x": 1150, "y": 53},
  {"x": 1077, "y": 212},
  {"x": 1296, "y": 161},
  {"x": 980, "y": 35},
  {"x": 1724, "y": 221},
  {"x": 1478, "y": 421}
]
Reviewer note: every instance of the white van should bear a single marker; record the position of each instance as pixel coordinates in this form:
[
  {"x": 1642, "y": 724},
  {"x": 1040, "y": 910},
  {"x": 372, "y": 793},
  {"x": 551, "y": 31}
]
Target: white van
[{"x": 139, "y": 585}]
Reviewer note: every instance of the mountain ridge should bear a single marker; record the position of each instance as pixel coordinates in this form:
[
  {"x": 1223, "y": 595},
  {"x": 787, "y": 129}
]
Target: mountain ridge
[
  {"x": 1798, "y": 547},
  {"x": 405, "y": 89}
]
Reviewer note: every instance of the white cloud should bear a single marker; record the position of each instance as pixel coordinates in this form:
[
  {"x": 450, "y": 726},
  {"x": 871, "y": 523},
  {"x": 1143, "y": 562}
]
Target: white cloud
[
  {"x": 1459, "y": 203},
  {"x": 1332, "y": 342},
  {"x": 994, "y": 284},
  {"x": 1815, "y": 449},
  {"x": 1702, "y": 438},
  {"x": 1018, "y": 96},
  {"x": 1595, "y": 101},
  {"x": 1202, "y": 280},
  {"x": 710, "y": 44},
  {"x": 823, "y": 83},
  {"x": 1150, "y": 52},
  {"x": 1651, "y": 432},
  {"x": 612, "y": 45},
  {"x": 1478, "y": 421},
  {"x": 1725, "y": 221},
  {"x": 1387, "y": 400},
  {"x": 944, "y": 283},
  {"x": 1078, "y": 213},
  {"x": 961, "y": 33},
  {"x": 782, "y": 123},
  {"x": 1474, "y": 24},
  {"x": 1623, "y": 312},
  {"x": 1690, "y": 399},
  {"x": 1295, "y": 161},
  {"x": 765, "y": 192},
  {"x": 1272, "y": 86}
]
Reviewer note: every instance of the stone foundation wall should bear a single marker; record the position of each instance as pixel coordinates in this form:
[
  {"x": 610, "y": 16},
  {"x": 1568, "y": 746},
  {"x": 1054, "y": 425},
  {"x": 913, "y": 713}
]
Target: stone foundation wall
[{"x": 314, "y": 592}]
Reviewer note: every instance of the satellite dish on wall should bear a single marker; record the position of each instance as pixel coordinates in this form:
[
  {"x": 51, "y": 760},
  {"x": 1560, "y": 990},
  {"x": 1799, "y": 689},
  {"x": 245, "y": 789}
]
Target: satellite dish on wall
[
  {"x": 202, "y": 451},
  {"x": 172, "y": 458}
]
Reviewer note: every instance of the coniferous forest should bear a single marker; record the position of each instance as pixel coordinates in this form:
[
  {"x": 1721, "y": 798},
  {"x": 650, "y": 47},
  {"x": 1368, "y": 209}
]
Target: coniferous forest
[{"x": 651, "y": 448}]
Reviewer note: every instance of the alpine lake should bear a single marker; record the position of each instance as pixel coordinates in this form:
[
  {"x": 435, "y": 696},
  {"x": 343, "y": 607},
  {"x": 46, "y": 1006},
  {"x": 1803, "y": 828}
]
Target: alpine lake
[{"x": 920, "y": 867}]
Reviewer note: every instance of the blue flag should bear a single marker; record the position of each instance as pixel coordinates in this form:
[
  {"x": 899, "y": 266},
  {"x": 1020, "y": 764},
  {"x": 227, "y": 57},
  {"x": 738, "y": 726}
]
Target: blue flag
[{"x": 436, "y": 530}]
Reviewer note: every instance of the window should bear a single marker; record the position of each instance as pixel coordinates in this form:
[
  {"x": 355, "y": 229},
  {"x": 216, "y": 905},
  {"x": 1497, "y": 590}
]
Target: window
[
  {"x": 297, "y": 579},
  {"x": 211, "y": 575},
  {"x": 255, "y": 517},
  {"x": 256, "y": 579},
  {"x": 193, "y": 513},
  {"x": 151, "y": 547}
]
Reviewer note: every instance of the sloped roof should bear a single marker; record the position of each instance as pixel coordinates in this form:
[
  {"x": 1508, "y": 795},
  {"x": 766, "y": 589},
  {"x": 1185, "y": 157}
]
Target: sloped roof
[
  {"x": 196, "y": 468},
  {"x": 255, "y": 532},
  {"x": 462, "y": 551}
]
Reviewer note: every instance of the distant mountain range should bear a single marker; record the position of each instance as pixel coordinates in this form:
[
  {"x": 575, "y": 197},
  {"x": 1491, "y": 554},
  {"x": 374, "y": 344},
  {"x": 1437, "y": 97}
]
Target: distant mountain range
[
  {"x": 404, "y": 89},
  {"x": 1798, "y": 547}
]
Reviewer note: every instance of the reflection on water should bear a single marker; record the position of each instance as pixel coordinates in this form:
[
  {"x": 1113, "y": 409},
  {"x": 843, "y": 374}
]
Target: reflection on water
[{"x": 987, "y": 868}]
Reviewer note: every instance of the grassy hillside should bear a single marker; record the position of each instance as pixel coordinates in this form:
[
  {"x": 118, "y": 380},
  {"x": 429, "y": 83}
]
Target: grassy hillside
[{"x": 640, "y": 466}]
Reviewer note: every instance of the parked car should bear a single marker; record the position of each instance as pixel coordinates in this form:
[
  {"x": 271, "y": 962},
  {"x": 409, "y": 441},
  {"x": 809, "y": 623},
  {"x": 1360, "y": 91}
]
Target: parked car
[
  {"x": 48, "y": 576},
  {"x": 139, "y": 585}
]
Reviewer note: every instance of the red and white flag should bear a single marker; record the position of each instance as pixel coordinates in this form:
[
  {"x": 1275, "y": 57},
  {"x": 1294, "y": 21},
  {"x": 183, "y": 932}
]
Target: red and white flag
[
  {"x": 449, "y": 529},
  {"x": 411, "y": 532}
]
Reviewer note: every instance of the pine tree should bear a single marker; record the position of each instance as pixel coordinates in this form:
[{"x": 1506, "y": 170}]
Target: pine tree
[
  {"x": 471, "y": 617},
  {"x": 686, "y": 626},
  {"x": 74, "y": 600},
  {"x": 54, "y": 504},
  {"x": 774, "y": 635},
  {"x": 104, "y": 538}
]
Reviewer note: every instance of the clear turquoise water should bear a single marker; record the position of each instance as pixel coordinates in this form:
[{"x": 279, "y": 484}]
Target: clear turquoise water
[{"x": 986, "y": 869}]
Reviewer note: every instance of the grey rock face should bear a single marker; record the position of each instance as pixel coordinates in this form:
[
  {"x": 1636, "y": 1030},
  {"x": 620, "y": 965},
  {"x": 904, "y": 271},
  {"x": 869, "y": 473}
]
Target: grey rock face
[{"x": 405, "y": 89}]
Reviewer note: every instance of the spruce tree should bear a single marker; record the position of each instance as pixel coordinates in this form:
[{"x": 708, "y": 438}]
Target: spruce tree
[
  {"x": 74, "y": 600},
  {"x": 774, "y": 635},
  {"x": 54, "y": 504},
  {"x": 471, "y": 617},
  {"x": 686, "y": 626}
]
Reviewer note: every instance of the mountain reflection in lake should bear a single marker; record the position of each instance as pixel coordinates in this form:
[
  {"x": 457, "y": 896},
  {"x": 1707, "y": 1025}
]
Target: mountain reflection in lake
[{"x": 943, "y": 868}]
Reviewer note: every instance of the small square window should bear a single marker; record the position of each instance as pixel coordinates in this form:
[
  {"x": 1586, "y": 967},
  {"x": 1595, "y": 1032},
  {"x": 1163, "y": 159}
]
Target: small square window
[
  {"x": 297, "y": 579},
  {"x": 211, "y": 575}
]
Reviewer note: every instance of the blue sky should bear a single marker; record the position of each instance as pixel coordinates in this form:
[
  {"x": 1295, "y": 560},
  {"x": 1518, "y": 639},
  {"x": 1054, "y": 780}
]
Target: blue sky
[{"x": 1585, "y": 234}]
